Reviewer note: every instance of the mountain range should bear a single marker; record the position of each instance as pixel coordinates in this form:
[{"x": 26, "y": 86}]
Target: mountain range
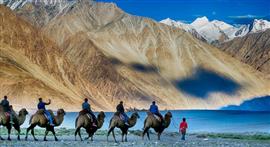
[
  {"x": 215, "y": 31},
  {"x": 71, "y": 49}
]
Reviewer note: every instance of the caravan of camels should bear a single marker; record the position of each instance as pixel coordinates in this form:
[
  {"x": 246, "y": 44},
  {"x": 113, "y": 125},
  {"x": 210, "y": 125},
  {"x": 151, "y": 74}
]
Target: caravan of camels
[{"x": 86, "y": 119}]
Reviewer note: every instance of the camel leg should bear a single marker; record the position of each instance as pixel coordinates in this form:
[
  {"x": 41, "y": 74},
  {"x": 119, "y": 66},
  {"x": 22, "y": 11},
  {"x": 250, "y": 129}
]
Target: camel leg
[
  {"x": 78, "y": 131},
  {"x": 113, "y": 136},
  {"x": 109, "y": 132},
  {"x": 148, "y": 136},
  {"x": 159, "y": 136},
  {"x": 9, "y": 130},
  {"x": 1, "y": 138},
  {"x": 126, "y": 137},
  {"x": 17, "y": 127},
  {"x": 45, "y": 135},
  {"x": 86, "y": 138},
  {"x": 55, "y": 138},
  {"x": 28, "y": 129},
  {"x": 89, "y": 135},
  {"x": 123, "y": 136},
  {"x": 145, "y": 130},
  {"x": 33, "y": 134},
  {"x": 92, "y": 138}
]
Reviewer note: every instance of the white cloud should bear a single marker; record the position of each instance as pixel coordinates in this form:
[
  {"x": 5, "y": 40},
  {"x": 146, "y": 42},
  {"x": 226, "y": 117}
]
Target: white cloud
[{"x": 244, "y": 16}]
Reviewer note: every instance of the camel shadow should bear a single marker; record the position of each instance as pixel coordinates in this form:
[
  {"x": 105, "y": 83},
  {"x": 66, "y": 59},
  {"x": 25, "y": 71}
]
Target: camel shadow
[{"x": 204, "y": 82}]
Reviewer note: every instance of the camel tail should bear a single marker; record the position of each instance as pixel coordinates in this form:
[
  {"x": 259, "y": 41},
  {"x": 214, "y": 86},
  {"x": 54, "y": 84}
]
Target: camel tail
[
  {"x": 76, "y": 121},
  {"x": 144, "y": 122},
  {"x": 110, "y": 123}
]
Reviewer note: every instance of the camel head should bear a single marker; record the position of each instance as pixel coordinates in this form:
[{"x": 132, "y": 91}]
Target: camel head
[
  {"x": 168, "y": 115},
  {"x": 100, "y": 118},
  {"x": 167, "y": 119},
  {"x": 135, "y": 115},
  {"x": 60, "y": 117},
  {"x": 23, "y": 112},
  {"x": 61, "y": 112},
  {"x": 133, "y": 119},
  {"x": 101, "y": 115}
]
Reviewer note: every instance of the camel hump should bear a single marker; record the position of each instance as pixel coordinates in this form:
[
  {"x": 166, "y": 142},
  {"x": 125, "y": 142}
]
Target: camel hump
[
  {"x": 83, "y": 112},
  {"x": 149, "y": 113},
  {"x": 40, "y": 112}
]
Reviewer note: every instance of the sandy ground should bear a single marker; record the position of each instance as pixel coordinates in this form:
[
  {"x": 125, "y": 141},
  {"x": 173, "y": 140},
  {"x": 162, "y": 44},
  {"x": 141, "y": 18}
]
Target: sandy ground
[{"x": 167, "y": 139}]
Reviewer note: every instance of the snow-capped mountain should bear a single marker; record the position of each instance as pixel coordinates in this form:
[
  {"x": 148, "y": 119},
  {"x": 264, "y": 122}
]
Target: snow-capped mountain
[
  {"x": 177, "y": 24},
  {"x": 218, "y": 31},
  {"x": 13, "y": 4},
  {"x": 260, "y": 25},
  {"x": 212, "y": 31},
  {"x": 187, "y": 27}
]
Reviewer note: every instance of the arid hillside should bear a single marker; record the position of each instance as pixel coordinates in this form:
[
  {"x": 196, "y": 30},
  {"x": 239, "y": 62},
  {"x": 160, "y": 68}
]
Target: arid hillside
[
  {"x": 116, "y": 56},
  {"x": 253, "y": 49}
]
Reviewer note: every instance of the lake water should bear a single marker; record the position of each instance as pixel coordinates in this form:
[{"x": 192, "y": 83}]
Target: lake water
[{"x": 198, "y": 121}]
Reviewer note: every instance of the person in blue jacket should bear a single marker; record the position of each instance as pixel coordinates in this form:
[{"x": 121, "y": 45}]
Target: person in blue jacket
[
  {"x": 41, "y": 106},
  {"x": 154, "y": 110},
  {"x": 87, "y": 107}
]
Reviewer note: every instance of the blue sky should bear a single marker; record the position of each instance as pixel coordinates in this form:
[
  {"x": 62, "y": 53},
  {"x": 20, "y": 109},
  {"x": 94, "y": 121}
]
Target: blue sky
[{"x": 230, "y": 11}]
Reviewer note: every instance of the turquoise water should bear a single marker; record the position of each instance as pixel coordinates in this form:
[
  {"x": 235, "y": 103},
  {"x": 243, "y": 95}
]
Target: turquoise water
[{"x": 199, "y": 121}]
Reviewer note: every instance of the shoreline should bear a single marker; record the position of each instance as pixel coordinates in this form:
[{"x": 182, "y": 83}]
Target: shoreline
[{"x": 66, "y": 138}]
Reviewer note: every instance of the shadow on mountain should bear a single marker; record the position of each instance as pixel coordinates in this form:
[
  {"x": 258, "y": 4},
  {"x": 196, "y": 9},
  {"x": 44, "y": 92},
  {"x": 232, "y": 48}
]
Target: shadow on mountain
[
  {"x": 115, "y": 61},
  {"x": 204, "y": 82},
  {"x": 143, "y": 68},
  {"x": 255, "y": 104}
]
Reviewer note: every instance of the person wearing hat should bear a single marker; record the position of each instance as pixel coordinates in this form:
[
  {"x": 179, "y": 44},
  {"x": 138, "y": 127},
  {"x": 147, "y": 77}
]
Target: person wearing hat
[{"x": 120, "y": 108}]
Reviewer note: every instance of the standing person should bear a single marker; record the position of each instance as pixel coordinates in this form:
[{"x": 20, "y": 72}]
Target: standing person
[
  {"x": 41, "y": 106},
  {"x": 86, "y": 106},
  {"x": 154, "y": 109},
  {"x": 6, "y": 107},
  {"x": 183, "y": 128},
  {"x": 120, "y": 108}
]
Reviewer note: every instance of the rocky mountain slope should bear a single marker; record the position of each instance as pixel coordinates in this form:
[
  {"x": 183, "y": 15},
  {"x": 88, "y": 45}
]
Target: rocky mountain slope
[
  {"x": 135, "y": 59},
  {"x": 32, "y": 66},
  {"x": 253, "y": 49}
]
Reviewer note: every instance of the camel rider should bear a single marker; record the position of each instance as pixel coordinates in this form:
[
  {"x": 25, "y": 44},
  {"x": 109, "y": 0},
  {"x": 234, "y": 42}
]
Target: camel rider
[
  {"x": 6, "y": 107},
  {"x": 87, "y": 107},
  {"x": 120, "y": 108},
  {"x": 41, "y": 106},
  {"x": 154, "y": 110}
]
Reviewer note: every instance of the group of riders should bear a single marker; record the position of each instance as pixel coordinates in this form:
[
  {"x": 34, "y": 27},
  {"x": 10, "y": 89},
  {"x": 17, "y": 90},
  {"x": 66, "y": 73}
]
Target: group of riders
[
  {"x": 86, "y": 108},
  {"x": 121, "y": 111}
]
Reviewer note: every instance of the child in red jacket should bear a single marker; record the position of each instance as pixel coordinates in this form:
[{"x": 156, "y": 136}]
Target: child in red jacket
[{"x": 183, "y": 128}]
